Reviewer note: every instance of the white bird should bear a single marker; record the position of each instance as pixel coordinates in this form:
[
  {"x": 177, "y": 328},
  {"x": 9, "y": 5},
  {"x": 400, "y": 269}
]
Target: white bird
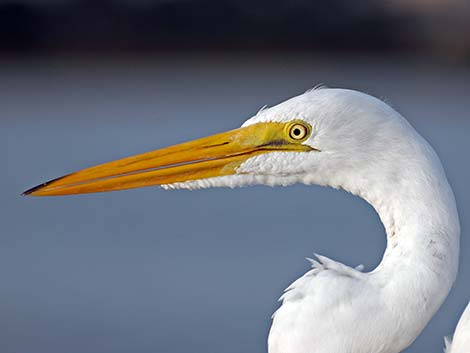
[
  {"x": 461, "y": 340},
  {"x": 342, "y": 139}
]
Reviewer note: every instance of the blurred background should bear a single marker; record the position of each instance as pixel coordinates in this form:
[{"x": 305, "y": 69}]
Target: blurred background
[{"x": 83, "y": 82}]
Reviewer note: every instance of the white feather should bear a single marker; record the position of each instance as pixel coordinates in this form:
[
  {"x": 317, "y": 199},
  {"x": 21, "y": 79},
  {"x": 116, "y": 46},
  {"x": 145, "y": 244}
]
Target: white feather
[{"x": 461, "y": 340}]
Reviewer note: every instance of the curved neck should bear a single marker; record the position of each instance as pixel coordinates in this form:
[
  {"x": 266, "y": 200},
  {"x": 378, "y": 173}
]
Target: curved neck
[
  {"x": 418, "y": 210},
  {"x": 421, "y": 222}
]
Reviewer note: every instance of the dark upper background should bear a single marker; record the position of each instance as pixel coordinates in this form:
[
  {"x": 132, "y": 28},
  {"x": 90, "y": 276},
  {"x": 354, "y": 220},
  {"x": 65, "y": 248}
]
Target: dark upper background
[
  {"x": 83, "y": 82},
  {"x": 439, "y": 29}
]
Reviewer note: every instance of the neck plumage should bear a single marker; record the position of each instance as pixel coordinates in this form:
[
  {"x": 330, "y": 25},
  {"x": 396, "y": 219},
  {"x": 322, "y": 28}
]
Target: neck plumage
[
  {"x": 417, "y": 207},
  {"x": 422, "y": 226}
]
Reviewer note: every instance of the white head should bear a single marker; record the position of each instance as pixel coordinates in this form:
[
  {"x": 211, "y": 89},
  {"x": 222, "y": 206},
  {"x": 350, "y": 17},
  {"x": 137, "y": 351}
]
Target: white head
[{"x": 356, "y": 141}]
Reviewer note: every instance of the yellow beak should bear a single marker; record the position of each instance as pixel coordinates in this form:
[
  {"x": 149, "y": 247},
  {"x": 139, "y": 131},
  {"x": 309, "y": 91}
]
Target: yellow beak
[{"x": 216, "y": 155}]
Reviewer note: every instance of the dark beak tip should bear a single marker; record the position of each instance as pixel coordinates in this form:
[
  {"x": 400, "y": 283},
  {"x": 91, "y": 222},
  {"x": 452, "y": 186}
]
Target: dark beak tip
[
  {"x": 30, "y": 191},
  {"x": 40, "y": 186}
]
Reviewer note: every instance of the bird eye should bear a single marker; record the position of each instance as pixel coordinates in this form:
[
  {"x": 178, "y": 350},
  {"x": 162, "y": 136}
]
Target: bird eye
[{"x": 298, "y": 131}]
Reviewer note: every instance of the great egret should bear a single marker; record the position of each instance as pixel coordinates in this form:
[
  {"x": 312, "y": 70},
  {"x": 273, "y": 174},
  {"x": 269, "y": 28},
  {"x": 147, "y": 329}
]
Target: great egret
[{"x": 343, "y": 139}]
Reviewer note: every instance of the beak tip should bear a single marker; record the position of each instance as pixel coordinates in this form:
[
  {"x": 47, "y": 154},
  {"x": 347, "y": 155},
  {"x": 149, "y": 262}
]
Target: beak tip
[
  {"x": 30, "y": 192},
  {"x": 34, "y": 190}
]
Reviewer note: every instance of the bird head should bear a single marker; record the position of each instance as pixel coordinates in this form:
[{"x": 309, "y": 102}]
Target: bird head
[{"x": 311, "y": 138}]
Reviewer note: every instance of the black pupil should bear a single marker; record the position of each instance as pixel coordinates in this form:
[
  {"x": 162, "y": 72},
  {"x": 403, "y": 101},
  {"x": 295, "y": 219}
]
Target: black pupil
[{"x": 297, "y": 131}]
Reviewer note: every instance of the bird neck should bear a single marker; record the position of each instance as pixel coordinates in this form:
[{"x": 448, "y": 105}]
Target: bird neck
[
  {"x": 422, "y": 226},
  {"x": 417, "y": 208}
]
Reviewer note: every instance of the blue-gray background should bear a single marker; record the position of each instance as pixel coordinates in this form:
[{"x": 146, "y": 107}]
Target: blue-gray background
[
  {"x": 186, "y": 271},
  {"x": 84, "y": 82}
]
